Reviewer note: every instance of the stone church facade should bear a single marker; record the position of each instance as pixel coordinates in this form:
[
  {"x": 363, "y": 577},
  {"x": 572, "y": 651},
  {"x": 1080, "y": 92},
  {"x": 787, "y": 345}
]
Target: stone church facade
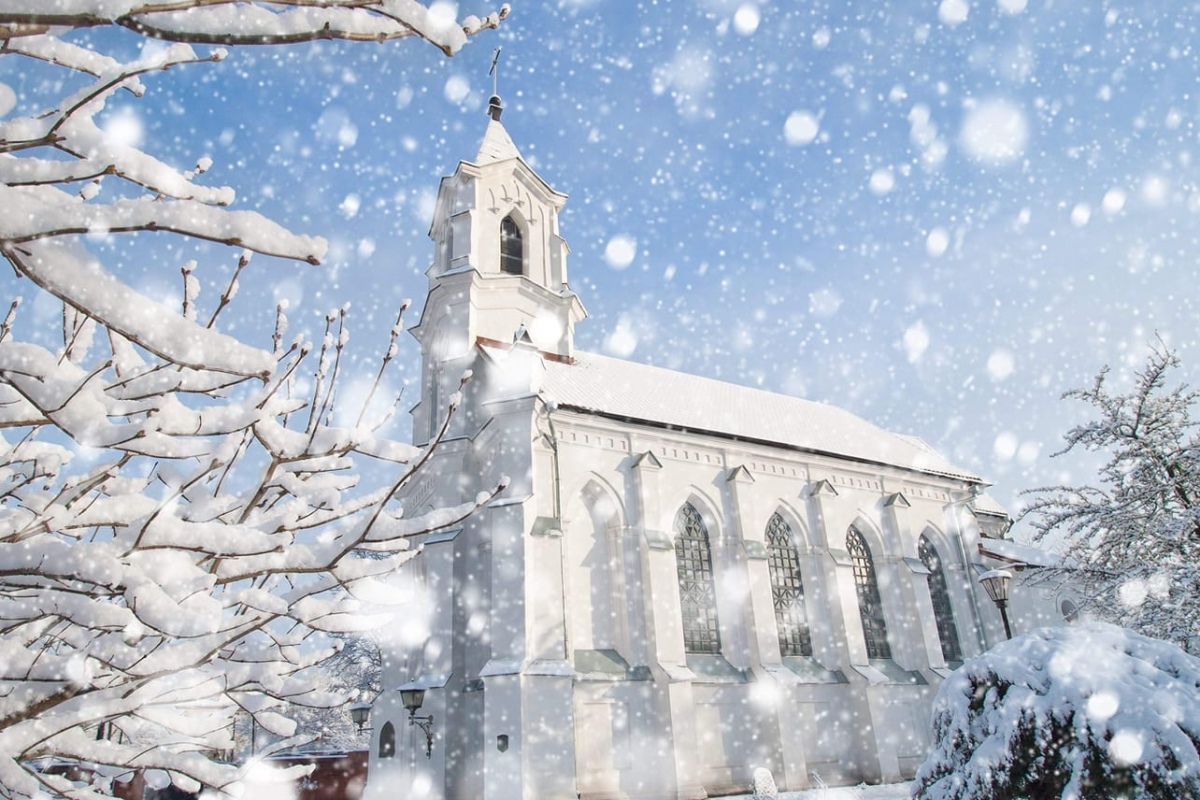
[{"x": 684, "y": 580}]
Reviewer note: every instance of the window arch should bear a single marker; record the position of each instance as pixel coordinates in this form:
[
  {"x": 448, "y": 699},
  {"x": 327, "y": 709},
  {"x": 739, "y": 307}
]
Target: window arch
[
  {"x": 387, "y": 740},
  {"x": 697, "y": 590},
  {"x": 787, "y": 589},
  {"x": 943, "y": 612},
  {"x": 1070, "y": 611},
  {"x": 512, "y": 247},
  {"x": 870, "y": 605}
]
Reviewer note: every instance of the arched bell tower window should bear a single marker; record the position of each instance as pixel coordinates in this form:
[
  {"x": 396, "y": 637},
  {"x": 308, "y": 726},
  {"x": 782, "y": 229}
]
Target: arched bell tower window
[
  {"x": 387, "y": 740},
  {"x": 943, "y": 612},
  {"x": 512, "y": 248},
  {"x": 697, "y": 590},
  {"x": 787, "y": 590},
  {"x": 870, "y": 605}
]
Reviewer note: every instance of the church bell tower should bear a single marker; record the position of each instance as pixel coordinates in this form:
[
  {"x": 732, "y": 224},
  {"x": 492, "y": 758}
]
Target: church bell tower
[
  {"x": 493, "y": 659},
  {"x": 499, "y": 275}
]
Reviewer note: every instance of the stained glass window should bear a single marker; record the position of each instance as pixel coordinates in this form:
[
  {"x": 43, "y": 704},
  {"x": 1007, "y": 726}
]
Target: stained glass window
[
  {"x": 512, "y": 251},
  {"x": 787, "y": 590},
  {"x": 870, "y": 605},
  {"x": 943, "y": 612},
  {"x": 697, "y": 592}
]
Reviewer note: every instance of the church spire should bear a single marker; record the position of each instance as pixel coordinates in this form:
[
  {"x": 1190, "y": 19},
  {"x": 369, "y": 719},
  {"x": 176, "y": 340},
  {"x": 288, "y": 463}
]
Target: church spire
[{"x": 497, "y": 144}]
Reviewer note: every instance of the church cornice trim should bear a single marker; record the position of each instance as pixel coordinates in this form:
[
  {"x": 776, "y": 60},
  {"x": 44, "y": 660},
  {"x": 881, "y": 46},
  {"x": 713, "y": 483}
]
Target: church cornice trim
[
  {"x": 727, "y": 437},
  {"x": 516, "y": 168}
]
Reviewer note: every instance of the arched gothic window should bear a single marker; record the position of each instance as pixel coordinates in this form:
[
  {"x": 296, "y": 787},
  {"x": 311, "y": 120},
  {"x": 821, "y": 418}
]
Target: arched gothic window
[
  {"x": 387, "y": 740},
  {"x": 870, "y": 605},
  {"x": 512, "y": 250},
  {"x": 943, "y": 612},
  {"x": 1069, "y": 610},
  {"x": 787, "y": 590},
  {"x": 697, "y": 591}
]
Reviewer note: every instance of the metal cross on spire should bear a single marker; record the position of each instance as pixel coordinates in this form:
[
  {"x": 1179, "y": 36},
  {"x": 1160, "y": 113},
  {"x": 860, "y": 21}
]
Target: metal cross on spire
[
  {"x": 495, "y": 106},
  {"x": 494, "y": 72}
]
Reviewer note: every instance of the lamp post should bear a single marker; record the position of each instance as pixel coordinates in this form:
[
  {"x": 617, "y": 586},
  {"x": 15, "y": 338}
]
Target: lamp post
[
  {"x": 995, "y": 583},
  {"x": 359, "y": 714},
  {"x": 412, "y": 700}
]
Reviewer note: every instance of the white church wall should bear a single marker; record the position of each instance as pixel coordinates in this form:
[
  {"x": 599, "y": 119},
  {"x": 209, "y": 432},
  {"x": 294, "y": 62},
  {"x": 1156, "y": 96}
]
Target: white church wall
[{"x": 735, "y": 513}]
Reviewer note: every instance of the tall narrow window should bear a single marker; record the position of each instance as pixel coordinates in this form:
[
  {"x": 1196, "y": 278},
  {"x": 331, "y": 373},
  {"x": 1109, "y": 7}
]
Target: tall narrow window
[
  {"x": 943, "y": 613},
  {"x": 512, "y": 250},
  {"x": 870, "y": 606},
  {"x": 787, "y": 590},
  {"x": 387, "y": 740},
  {"x": 697, "y": 592}
]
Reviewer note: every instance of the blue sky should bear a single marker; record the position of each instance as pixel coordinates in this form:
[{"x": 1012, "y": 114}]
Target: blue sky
[{"x": 939, "y": 215}]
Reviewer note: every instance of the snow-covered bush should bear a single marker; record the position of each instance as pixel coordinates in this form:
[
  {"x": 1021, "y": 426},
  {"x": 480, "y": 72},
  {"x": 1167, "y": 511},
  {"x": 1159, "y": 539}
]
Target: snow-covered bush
[
  {"x": 1087, "y": 712},
  {"x": 763, "y": 784}
]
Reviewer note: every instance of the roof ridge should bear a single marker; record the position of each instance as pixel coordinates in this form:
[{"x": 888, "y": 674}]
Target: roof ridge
[{"x": 633, "y": 390}]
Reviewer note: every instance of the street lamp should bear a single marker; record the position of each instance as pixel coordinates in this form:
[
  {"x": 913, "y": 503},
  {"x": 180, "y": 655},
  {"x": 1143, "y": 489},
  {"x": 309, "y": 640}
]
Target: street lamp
[
  {"x": 412, "y": 700},
  {"x": 995, "y": 583},
  {"x": 359, "y": 714}
]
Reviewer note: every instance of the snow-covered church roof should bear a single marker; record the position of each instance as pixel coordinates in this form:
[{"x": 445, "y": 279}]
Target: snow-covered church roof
[{"x": 636, "y": 392}]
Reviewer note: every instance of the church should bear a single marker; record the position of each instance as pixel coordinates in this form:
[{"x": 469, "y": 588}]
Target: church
[{"x": 686, "y": 580}]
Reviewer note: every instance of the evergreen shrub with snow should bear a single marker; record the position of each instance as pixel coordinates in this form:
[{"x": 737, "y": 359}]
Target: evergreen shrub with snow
[{"x": 1085, "y": 712}]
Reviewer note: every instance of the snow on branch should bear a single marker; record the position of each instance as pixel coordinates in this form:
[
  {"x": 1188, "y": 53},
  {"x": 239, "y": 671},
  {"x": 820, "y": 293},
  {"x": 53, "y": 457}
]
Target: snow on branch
[
  {"x": 1134, "y": 533},
  {"x": 67, "y": 273},
  {"x": 245, "y": 22},
  {"x": 1088, "y": 711},
  {"x": 197, "y": 541},
  {"x": 185, "y": 517}
]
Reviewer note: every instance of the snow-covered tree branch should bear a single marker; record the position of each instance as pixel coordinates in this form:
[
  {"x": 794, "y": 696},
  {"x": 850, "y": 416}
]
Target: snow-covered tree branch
[
  {"x": 187, "y": 521},
  {"x": 239, "y": 22},
  {"x": 1134, "y": 538}
]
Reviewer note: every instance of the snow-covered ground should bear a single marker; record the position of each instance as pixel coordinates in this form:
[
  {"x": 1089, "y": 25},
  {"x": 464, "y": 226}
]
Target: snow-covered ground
[{"x": 891, "y": 791}]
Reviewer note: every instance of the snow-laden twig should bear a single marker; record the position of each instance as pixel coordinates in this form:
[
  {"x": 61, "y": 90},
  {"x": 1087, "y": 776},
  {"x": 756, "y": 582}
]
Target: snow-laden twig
[
  {"x": 1134, "y": 537},
  {"x": 178, "y": 542}
]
